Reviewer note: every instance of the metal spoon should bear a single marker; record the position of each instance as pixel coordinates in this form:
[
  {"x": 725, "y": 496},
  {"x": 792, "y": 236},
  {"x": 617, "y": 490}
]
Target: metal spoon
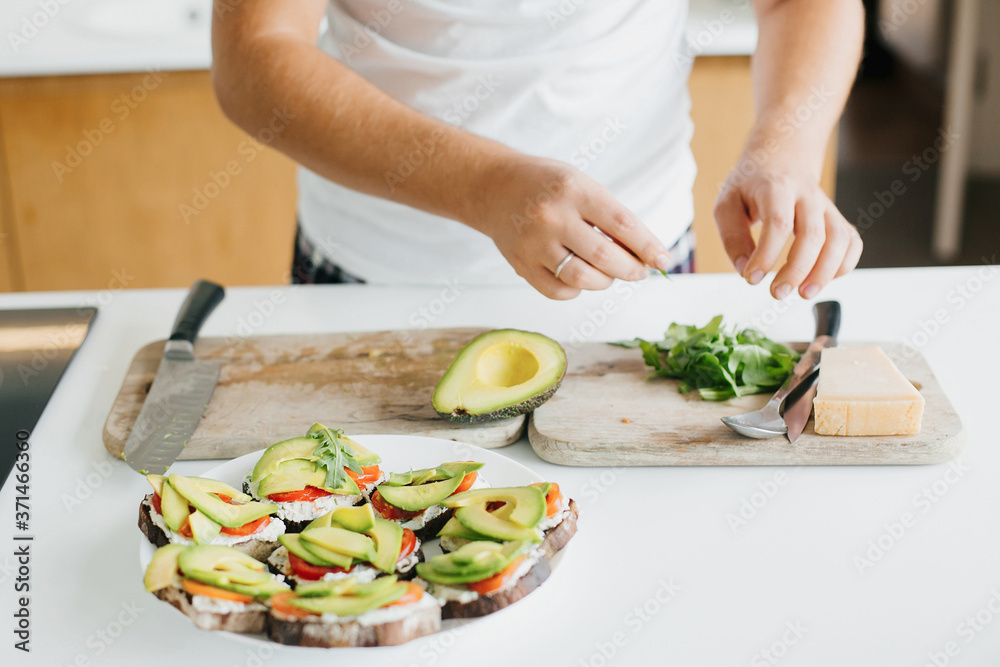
[{"x": 768, "y": 422}]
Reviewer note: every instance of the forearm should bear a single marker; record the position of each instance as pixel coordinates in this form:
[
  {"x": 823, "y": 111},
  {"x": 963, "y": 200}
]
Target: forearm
[
  {"x": 803, "y": 69},
  {"x": 343, "y": 127}
]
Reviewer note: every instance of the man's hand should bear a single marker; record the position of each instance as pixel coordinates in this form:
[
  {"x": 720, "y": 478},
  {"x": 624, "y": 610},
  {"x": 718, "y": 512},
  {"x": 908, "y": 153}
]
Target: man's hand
[
  {"x": 787, "y": 201},
  {"x": 538, "y": 211}
]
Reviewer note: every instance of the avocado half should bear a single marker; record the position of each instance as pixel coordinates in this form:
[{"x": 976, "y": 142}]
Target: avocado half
[{"x": 498, "y": 375}]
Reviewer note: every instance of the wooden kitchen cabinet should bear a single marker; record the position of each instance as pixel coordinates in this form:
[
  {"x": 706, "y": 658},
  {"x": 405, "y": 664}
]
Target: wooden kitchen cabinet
[
  {"x": 723, "y": 114},
  {"x": 136, "y": 180}
]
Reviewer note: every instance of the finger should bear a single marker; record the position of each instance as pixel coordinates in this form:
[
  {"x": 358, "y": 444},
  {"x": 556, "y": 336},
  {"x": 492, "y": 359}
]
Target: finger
[
  {"x": 546, "y": 283},
  {"x": 601, "y": 209},
  {"x": 604, "y": 254},
  {"x": 733, "y": 221},
  {"x": 853, "y": 253},
  {"x": 838, "y": 241},
  {"x": 580, "y": 274},
  {"x": 810, "y": 239},
  {"x": 776, "y": 207}
]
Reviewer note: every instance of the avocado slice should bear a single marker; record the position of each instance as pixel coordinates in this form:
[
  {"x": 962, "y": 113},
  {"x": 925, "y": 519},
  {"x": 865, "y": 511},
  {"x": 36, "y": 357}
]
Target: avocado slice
[
  {"x": 365, "y": 457},
  {"x": 156, "y": 481},
  {"x": 350, "y": 605},
  {"x": 162, "y": 569},
  {"x": 297, "y": 474},
  {"x": 293, "y": 542},
  {"x": 341, "y": 541},
  {"x": 221, "y": 566},
  {"x": 203, "y": 529},
  {"x": 442, "y": 472},
  {"x": 527, "y": 503},
  {"x": 324, "y": 554},
  {"x": 416, "y": 498},
  {"x": 455, "y": 528},
  {"x": 173, "y": 507},
  {"x": 388, "y": 538},
  {"x": 346, "y": 586},
  {"x": 359, "y": 518},
  {"x": 474, "y": 561},
  {"x": 500, "y": 374},
  {"x": 219, "y": 511},
  {"x": 215, "y": 486}
]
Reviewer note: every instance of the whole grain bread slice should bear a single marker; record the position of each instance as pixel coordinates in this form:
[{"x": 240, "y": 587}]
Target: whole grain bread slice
[
  {"x": 557, "y": 536},
  {"x": 487, "y": 604},
  {"x": 251, "y": 621},
  {"x": 314, "y": 631}
]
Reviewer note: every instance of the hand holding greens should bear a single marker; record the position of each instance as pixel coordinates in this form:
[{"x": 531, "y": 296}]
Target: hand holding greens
[{"x": 719, "y": 364}]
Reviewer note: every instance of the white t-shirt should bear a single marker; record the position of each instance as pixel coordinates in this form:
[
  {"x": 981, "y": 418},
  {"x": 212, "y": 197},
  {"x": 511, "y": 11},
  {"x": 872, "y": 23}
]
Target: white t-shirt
[{"x": 600, "y": 84}]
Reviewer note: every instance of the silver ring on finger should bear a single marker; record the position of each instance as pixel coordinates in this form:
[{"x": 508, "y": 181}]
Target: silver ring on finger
[{"x": 562, "y": 264}]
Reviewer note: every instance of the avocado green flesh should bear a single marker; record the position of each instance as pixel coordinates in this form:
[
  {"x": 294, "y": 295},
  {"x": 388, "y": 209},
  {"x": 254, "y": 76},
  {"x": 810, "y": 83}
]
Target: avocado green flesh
[
  {"x": 346, "y": 586},
  {"x": 162, "y": 569},
  {"x": 474, "y": 561},
  {"x": 350, "y": 605},
  {"x": 416, "y": 498},
  {"x": 455, "y": 528},
  {"x": 388, "y": 538},
  {"x": 203, "y": 529},
  {"x": 297, "y": 474},
  {"x": 293, "y": 542},
  {"x": 442, "y": 472},
  {"x": 334, "y": 558},
  {"x": 229, "y": 569},
  {"x": 478, "y": 520},
  {"x": 219, "y": 511},
  {"x": 500, "y": 374},
  {"x": 279, "y": 452},
  {"x": 360, "y": 518},
  {"x": 341, "y": 541},
  {"x": 173, "y": 507},
  {"x": 527, "y": 503}
]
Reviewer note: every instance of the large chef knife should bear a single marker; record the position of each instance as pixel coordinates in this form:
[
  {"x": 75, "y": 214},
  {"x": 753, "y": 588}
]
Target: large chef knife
[
  {"x": 800, "y": 402},
  {"x": 181, "y": 389}
]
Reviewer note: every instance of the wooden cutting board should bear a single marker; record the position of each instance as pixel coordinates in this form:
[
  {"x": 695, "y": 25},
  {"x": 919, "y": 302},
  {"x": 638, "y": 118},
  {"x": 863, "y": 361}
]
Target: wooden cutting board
[
  {"x": 607, "y": 414},
  {"x": 276, "y": 387}
]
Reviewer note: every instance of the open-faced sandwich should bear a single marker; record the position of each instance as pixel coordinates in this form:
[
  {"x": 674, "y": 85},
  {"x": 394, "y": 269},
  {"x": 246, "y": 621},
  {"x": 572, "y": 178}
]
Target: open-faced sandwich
[
  {"x": 480, "y": 578},
  {"x": 536, "y": 513},
  {"x": 195, "y": 510},
  {"x": 414, "y": 499},
  {"x": 218, "y": 587},
  {"x": 309, "y": 476},
  {"x": 348, "y": 542},
  {"x": 349, "y": 612}
]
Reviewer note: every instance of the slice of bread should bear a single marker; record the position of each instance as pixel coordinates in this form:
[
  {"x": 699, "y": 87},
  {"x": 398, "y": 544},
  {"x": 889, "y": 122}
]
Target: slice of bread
[
  {"x": 557, "y": 536},
  {"x": 254, "y": 548},
  {"x": 424, "y": 619},
  {"x": 251, "y": 621},
  {"x": 482, "y": 605}
]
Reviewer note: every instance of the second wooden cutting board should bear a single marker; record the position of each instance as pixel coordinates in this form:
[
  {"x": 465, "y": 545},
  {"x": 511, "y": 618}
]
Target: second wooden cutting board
[{"x": 608, "y": 414}]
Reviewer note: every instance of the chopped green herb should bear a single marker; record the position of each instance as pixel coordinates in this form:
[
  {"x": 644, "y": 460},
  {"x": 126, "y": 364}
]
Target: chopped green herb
[
  {"x": 334, "y": 454},
  {"x": 717, "y": 363}
]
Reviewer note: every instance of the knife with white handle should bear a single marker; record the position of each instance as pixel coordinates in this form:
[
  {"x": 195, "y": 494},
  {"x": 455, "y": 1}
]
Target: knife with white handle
[{"x": 180, "y": 391}]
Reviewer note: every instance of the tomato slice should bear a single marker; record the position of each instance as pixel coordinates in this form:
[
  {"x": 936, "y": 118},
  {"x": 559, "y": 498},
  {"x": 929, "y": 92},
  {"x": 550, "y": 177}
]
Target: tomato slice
[
  {"x": 369, "y": 475},
  {"x": 553, "y": 499},
  {"x": 409, "y": 544},
  {"x": 491, "y": 584},
  {"x": 280, "y": 603},
  {"x": 467, "y": 482},
  {"x": 413, "y": 594},
  {"x": 305, "y": 570},
  {"x": 155, "y": 502},
  {"x": 185, "y": 530},
  {"x": 391, "y": 512},
  {"x": 248, "y": 528},
  {"x": 307, "y": 494},
  {"x": 198, "y": 588}
]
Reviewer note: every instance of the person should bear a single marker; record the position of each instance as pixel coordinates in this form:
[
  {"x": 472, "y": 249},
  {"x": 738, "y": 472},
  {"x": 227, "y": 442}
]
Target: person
[{"x": 483, "y": 140}]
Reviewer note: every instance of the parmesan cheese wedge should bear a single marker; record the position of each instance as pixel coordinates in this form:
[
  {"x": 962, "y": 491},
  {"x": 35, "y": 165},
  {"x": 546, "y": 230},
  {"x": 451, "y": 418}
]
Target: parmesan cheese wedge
[{"x": 861, "y": 392}]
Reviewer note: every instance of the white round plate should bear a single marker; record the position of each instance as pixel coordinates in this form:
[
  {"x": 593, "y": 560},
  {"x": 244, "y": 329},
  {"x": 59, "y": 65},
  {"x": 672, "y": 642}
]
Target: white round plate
[{"x": 399, "y": 453}]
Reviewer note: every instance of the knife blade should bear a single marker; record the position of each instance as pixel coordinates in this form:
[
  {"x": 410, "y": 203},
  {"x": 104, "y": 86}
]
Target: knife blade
[
  {"x": 798, "y": 406},
  {"x": 180, "y": 391}
]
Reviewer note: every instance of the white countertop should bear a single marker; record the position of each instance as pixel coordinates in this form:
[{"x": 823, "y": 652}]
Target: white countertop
[
  {"x": 104, "y": 36},
  {"x": 642, "y": 530}
]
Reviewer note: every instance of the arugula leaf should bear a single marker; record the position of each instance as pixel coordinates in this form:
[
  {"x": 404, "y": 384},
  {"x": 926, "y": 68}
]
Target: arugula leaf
[
  {"x": 717, "y": 363},
  {"x": 334, "y": 454}
]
